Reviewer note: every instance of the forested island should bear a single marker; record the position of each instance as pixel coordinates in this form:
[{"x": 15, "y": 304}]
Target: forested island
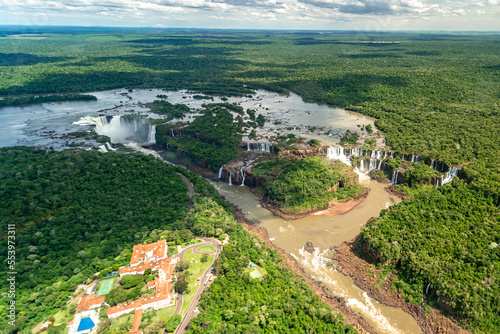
[
  {"x": 432, "y": 95},
  {"x": 26, "y": 100}
]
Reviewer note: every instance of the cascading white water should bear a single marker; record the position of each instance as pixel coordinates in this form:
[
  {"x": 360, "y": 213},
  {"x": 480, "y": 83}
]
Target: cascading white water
[
  {"x": 152, "y": 135},
  {"x": 259, "y": 147},
  {"x": 412, "y": 158},
  {"x": 172, "y": 132},
  {"x": 379, "y": 167},
  {"x": 432, "y": 164},
  {"x": 243, "y": 174},
  {"x": 394, "y": 178},
  {"x": 338, "y": 153},
  {"x": 392, "y": 154},
  {"x": 450, "y": 175},
  {"x": 230, "y": 179},
  {"x": 373, "y": 164},
  {"x": 122, "y": 129},
  {"x": 109, "y": 147},
  {"x": 361, "y": 165},
  {"x": 220, "y": 172}
]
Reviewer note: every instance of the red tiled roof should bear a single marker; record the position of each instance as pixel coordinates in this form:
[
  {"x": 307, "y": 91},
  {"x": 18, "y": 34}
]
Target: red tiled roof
[
  {"x": 89, "y": 300},
  {"x": 162, "y": 283},
  {"x": 157, "y": 249}
]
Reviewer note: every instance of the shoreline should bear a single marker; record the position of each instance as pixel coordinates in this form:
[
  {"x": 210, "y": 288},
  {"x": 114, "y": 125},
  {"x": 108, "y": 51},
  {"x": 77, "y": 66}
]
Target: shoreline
[
  {"x": 349, "y": 264},
  {"x": 334, "y": 207},
  {"x": 336, "y": 302},
  {"x": 352, "y": 265}
]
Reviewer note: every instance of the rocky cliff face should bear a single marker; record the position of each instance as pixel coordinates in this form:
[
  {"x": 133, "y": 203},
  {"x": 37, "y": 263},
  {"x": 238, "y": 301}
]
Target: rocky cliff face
[{"x": 305, "y": 153}]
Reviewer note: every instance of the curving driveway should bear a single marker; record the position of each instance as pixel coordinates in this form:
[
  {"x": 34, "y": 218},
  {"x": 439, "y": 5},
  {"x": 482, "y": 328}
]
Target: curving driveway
[{"x": 190, "y": 314}]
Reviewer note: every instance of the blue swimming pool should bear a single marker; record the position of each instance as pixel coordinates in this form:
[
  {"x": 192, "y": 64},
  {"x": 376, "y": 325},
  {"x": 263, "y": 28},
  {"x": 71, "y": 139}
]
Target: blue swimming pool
[{"x": 85, "y": 323}]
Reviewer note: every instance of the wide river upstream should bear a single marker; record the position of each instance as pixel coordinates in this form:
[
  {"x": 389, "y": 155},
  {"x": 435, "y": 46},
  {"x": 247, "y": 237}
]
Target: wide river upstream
[{"x": 43, "y": 125}]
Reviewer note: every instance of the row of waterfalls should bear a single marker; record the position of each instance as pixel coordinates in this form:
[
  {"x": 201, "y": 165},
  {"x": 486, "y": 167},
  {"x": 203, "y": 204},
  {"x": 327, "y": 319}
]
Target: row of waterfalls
[
  {"x": 239, "y": 176},
  {"x": 368, "y": 160},
  {"x": 363, "y": 161}
]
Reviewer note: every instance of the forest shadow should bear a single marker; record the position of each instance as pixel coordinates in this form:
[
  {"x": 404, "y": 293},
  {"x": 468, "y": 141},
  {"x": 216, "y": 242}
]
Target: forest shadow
[
  {"x": 23, "y": 59},
  {"x": 370, "y": 55},
  {"x": 189, "y": 63}
]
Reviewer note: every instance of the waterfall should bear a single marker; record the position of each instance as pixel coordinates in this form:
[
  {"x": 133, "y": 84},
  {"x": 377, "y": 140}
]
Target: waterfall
[
  {"x": 394, "y": 178},
  {"x": 230, "y": 180},
  {"x": 102, "y": 148},
  {"x": 372, "y": 165},
  {"x": 392, "y": 154},
  {"x": 432, "y": 164},
  {"x": 172, "y": 132},
  {"x": 355, "y": 152},
  {"x": 243, "y": 174},
  {"x": 379, "y": 165},
  {"x": 412, "y": 158},
  {"x": 403, "y": 157},
  {"x": 122, "y": 129},
  {"x": 361, "y": 165},
  {"x": 109, "y": 147},
  {"x": 220, "y": 172},
  {"x": 337, "y": 153},
  {"x": 152, "y": 135},
  {"x": 450, "y": 175},
  {"x": 427, "y": 290},
  {"x": 259, "y": 147}
]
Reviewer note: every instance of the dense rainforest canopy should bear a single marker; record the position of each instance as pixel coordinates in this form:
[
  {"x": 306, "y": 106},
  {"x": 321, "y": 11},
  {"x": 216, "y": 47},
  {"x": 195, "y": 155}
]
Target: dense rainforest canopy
[
  {"x": 80, "y": 212},
  {"x": 305, "y": 185},
  {"x": 435, "y": 95}
]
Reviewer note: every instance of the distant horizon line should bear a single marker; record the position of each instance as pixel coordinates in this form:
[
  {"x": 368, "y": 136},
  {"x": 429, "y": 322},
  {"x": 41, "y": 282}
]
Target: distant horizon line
[{"x": 99, "y": 27}]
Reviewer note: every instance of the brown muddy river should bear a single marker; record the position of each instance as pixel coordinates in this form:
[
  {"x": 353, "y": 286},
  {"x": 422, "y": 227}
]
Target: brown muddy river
[{"x": 325, "y": 232}]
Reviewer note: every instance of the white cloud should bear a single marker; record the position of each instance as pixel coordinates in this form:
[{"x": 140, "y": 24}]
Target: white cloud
[{"x": 292, "y": 14}]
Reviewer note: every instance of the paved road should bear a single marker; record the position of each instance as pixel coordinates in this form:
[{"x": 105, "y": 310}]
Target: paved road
[
  {"x": 190, "y": 189},
  {"x": 190, "y": 314}
]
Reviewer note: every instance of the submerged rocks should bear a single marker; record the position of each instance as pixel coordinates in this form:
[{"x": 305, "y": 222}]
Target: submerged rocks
[{"x": 309, "y": 247}]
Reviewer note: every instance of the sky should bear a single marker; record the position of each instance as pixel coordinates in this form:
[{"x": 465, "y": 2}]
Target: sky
[{"x": 372, "y": 15}]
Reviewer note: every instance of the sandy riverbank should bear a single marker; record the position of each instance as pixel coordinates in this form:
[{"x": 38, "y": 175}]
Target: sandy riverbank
[{"x": 334, "y": 207}]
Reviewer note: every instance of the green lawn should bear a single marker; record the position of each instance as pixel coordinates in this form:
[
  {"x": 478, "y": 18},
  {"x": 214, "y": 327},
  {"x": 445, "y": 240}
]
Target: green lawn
[
  {"x": 256, "y": 271},
  {"x": 154, "y": 316},
  {"x": 206, "y": 249},
  {"x": 123, "y": 322},
  {"x": 192, "y": 242},
  {"x": 188, "y": 298},
  {"x": 66, "y": 314},
  {"x": 197, "y": 267}
]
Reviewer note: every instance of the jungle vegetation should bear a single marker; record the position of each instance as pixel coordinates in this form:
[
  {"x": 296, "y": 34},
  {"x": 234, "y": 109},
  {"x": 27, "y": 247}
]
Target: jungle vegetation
[
  {"x": 26, "y": 100},
  {"x": 80, "y": 212},
  {"x": 304, "y": 185},
  {"x": 432, "y": 94},
  {"x": 209, "y": 140}
]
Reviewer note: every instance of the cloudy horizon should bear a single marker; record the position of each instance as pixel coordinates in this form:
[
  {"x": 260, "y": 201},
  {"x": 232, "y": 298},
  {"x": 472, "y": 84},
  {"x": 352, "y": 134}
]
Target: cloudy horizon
[{"x": 372, "y": 15}]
